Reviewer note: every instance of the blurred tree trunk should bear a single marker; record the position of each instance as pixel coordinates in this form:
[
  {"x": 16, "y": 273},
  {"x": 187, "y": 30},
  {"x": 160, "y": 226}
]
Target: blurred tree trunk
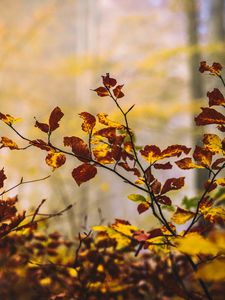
[
  {"x": 217, "y": 30},
  {"x": 196, "y": 85}
]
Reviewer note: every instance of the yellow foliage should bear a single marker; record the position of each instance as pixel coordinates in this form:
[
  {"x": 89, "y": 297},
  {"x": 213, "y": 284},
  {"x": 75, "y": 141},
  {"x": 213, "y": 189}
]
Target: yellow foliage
[
  {"x": 213, "y": 143},
  {"x": 102, "y": 118},
  {"x": 194, "y": 244},
  {"x": 212, "y": 271},
  {"x": 181, "y": 216}
]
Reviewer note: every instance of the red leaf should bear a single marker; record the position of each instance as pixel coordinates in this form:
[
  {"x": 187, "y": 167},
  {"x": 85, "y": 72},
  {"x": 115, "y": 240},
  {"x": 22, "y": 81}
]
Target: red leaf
[
  {"x": 117, "y": 91},
  {"x": 108, "y": 82},
  {"x": 142, "y": 207},
  {"x": 101, "y": 91},
  {"x": 79, "y": 147},
  {"x": 209, "y": 116},
  {"x": 164, "y": 200},
  {"x": 154, "y": 233},
  {"x": 42, "y": 126},
  {"x": 215, "y": 98},
  {"x": 2, "y": 177},
  {"x": 164, "y": 166},
  {"x": 140, "y": 236},
  {"x": 89, "y": 121},
  {"x": 84, "y": 173},
  {"x": 55, "y": 117},
  {"x": 172, "y": 184}
]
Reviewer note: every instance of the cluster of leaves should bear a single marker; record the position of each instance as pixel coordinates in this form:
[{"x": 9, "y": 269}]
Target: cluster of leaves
[{"x": 177, "y": 264}]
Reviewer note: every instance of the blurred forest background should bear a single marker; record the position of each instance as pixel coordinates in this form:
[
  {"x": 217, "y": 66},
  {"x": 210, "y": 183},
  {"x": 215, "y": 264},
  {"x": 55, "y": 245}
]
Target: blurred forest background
[{"x": 53, "y": 52}]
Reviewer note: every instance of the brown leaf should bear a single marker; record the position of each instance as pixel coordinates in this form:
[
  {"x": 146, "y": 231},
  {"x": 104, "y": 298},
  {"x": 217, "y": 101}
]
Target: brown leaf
[
  {"x": 40, "y": 144},
  {"x": 55, "y": 159},
  {"x": 217, "y": 163},
  {"x": 175, "y": 150},
  {"x": 2, "y": 177},
  {"x": 164, "y": 200},
  {"x": 209, "y": 116},
  {"x": 79, "y": 147},
  {"x": 55, "y": 117},
  {"x": 42, "y": 126},
  {"x": 108, "y": 81},
  {"x": 156, "y": 187},
  {"x": 172, "y": 184},
  {"x": 89, "y": 121},
  {"x": 142, "y": 207},
  {"x": 215, "y": 69},
  {"x": 186, "y": 164},
  {"x": 117, "y": 91},
  {"x": 84, "y": 173},
  {"x": 215, "y": 98},
  {"x": 164, "y": 166},
  {"x": 202, "y": 156},
  {"x": 101, "y": 91},
  {"x": 127, "y": 168}
]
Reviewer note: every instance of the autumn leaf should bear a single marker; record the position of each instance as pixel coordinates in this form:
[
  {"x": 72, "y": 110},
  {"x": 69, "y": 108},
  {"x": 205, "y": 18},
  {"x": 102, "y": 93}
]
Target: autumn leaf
[
  {"x": 215, "y": 215},
  {"x": 55, "y": 159},
  {"x": 215, "y": 98},
  {"x": 165, "y": 200},
  {"x": 102, "y": 118},
  {"x": 6, "y": 142},
  {"x": 101, "y": 91},
  {"x": 215, "y": 69},
  {"x": 217, "y": 163},
  {"x": 209, "y": 116},
  {"x": 117, "y": 91},
  {"x": 151, "y": 153},
  {"x": 195, "y": 244},
  {"x": 172, "y": 184},
  {"x": 40, "y": 144},
  {"x": 55, "y": 116},
  {"x": 175, "y": 150},
  {"x": 187, "y": 163},
  {"x": 108, "y": 81},
  {"x": 8, "y": 119},
  {"x": 142, "y": 207},
  {"x": 213, "y": 143},
  {"x": 2, "y": 178},
  {"x": 212, "y": 270},
  {"x": 156, "y": 187},
  {"x": 84, "y": 173},
  {"x": 79, "y": 147},
  {"x": 126, "y": 167},
  {"x": 181, "y": 216},
  {"x": 164, "y": 166},
  {"x": 102, "y": 153},
  {"x": 202, "y": 156},
  {"x": 89, "y": 121},
  {"x": 42, "y": 126}
]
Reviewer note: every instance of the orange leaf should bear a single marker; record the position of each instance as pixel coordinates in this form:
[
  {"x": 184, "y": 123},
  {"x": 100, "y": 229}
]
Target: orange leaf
[{"x": 84, "y": 173}]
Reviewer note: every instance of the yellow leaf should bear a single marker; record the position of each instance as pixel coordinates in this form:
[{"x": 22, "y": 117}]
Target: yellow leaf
[
  {"x": 8, "y": 143},
  {"x": 215, "y": 215},
  {"x": 212, "y": 271},
  {"x": 55, "y": 159},
  {"x": 181, "y": 216},
  {"x": 213, "y": 143},
  {"x": 8, "y": 119},
  {"x": 102, "y": 153},
  {"x": 194, "y": 244},
  {"x": 102, "y": 118}
]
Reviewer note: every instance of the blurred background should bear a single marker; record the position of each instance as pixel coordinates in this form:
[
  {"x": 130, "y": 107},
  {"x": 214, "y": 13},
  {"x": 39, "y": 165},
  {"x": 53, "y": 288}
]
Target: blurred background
[{"x": 53, "y": 52}]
